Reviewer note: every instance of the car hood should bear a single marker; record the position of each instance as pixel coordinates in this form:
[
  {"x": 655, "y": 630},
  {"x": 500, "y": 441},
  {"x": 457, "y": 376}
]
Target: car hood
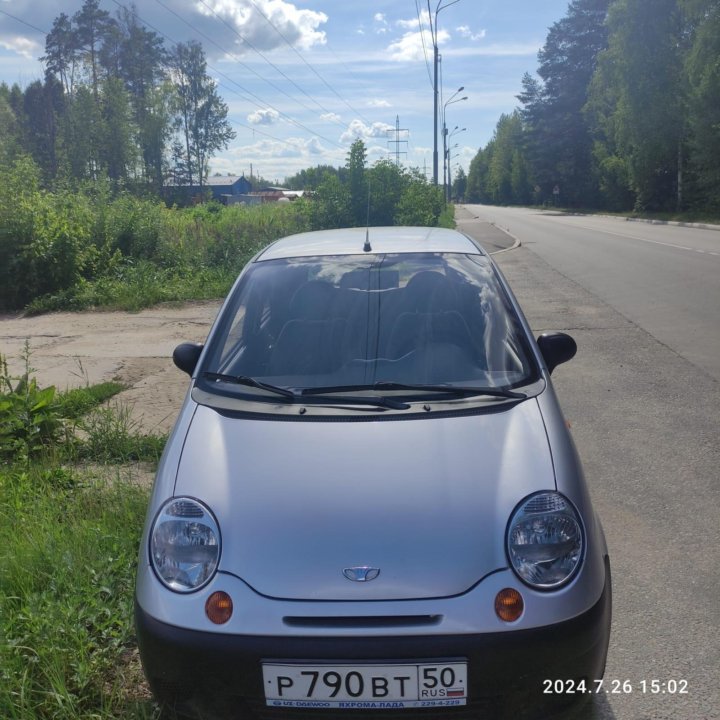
[{"x": 426, "y": 501}]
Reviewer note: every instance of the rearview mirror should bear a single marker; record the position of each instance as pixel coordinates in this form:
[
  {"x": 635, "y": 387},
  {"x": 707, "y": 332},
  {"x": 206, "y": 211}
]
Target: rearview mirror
[
  {"x": 556, "y": 348},
  {"x": 186, "y": 356}
]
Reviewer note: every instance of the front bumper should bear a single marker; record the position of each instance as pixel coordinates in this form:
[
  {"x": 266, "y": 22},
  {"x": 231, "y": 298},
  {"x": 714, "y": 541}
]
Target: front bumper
[{"x": 215, "y": 675}]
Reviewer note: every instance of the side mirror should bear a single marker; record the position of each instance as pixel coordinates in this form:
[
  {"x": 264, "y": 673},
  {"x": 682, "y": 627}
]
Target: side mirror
[
  {"x": 186, "y": 356},
  {"x": 556, "y": 348}
]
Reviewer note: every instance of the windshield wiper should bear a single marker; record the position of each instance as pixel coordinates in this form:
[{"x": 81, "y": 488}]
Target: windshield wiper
[
  {"x": 459, "y": 390},
  {"x": 456, "y": 390},
  {"x": 318, "y": 398},
  {"x": 252, "y": 382}
]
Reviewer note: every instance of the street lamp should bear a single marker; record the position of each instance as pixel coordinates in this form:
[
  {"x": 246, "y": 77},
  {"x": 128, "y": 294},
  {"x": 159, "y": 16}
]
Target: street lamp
[
  {"x": 433, "y": 34},
  {"x": 448, "y": 189},
  {"x": 451, "y": 101},
  {"x": 456, "y": 131},
  {"x": 445, "y": 139}
]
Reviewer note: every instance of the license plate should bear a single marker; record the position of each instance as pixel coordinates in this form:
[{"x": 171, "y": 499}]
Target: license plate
[{"x": 377, "y": 686}]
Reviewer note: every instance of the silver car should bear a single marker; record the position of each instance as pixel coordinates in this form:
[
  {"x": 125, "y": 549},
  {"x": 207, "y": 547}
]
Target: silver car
[{"x": 370, "y": 505}]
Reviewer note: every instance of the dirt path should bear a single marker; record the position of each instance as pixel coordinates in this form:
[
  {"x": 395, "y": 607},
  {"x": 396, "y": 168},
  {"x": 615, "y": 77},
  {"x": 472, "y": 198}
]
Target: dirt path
[{"x": 73, "y": 349}]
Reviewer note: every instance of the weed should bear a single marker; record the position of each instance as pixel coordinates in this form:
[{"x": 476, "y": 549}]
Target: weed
[
  {"x": 112, "y": 436},
  {"x": 75, "y": 403},
  {"x": 29, "y": 418},
  {"x": 67, "y": 560},
  {"x": 68, "y": 553}
]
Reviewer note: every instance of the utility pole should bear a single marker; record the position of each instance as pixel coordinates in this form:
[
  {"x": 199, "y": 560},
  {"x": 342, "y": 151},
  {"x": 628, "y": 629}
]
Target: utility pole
[
  {"x": 397, "y": 141},
  {"x": 435, "y": 107},
  {"x": 436, "y": 90}
]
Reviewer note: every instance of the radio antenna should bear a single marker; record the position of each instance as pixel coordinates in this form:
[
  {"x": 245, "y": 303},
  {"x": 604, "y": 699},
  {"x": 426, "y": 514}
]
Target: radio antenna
[{"x": 367, "y": 247}]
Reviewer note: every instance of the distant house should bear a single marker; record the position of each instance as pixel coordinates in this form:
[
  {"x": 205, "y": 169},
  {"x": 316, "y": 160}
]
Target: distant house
[
  {"x": 266, "y": 195},
  {"x": 223, "y": 188}
]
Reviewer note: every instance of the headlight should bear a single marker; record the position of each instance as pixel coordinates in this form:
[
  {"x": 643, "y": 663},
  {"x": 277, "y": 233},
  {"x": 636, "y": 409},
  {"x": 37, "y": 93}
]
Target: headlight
[
  {"x": 545, "y": 540},
  {"x": 184, "y": 545}
]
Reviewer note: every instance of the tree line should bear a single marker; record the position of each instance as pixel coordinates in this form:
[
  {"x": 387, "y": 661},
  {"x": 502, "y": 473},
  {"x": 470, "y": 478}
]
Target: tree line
[
  {"x": 356, "y": 195},
  {"x": 115, "y": 103},
  {"x": 67, "y": 248},
  {"x": 624, "y": 113}
]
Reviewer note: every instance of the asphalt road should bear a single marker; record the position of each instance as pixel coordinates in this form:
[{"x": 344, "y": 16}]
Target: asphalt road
[
  {"x": 642, "y": 397},
  {"x": 663, "y": 277}
]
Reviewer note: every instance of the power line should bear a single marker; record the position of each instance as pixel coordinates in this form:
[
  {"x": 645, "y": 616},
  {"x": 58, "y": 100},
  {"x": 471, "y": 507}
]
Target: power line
[
  {"x": 422, "y": 38},
  {"x": 266, "y": 104},
  {"x": 317, "y": 74},
  {"x": 33, "y": 27},
  {"x": 275, "y": 67},
  {"x": 260, "y": 102}
]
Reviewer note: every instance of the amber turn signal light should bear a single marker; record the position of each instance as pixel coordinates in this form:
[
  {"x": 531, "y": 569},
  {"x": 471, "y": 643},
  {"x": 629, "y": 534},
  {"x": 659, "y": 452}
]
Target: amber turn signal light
[
  {"x": 509, "y": 605},
  {"x": 219, "y": 607}
]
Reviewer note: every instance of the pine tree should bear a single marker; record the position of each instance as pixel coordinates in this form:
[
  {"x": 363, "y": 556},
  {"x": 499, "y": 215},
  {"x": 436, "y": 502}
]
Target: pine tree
[
  {"x": 640, "y": 84},
  {"x": 201, "y": 114},
  {"x": 561, "y": 142}
]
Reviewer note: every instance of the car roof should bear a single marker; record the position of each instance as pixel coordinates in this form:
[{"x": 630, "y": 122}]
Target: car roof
[{"x": 351, "y": 241}]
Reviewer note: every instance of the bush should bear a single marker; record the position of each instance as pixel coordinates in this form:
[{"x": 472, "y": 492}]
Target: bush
[
  {"x": 45, "y": 238},
  {"x": 89, "y": 248}
]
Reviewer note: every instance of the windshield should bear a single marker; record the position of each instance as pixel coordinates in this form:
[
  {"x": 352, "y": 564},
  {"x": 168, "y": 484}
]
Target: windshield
[{"x": 358, "y": 320}]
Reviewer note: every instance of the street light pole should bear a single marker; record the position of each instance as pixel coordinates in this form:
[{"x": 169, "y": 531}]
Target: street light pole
[
  {"x": 448, "y": 192},
  {"x": 445, "y": 139},
  {"x": 435, "y": 107},
  {"x": 450, "y": 101},
  {"x": 448, "y": 186},
  {"x": 433, "y": 34}
]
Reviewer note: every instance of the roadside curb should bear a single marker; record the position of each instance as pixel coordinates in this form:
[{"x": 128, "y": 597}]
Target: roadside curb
[
  {"x": 514, "y": 246},
  {"x": 674, "y": 223},
  {"x": 648, "y": 221}
]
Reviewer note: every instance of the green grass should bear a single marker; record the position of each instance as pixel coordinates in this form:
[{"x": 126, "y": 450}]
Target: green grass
[
  {"x": 68, "y": 552},
  {"x": 110, "y": 435},
  {"x": 67, "y": 561},
  {"x": 138, "y": 287},
  {"x": 76, "y": 402}
]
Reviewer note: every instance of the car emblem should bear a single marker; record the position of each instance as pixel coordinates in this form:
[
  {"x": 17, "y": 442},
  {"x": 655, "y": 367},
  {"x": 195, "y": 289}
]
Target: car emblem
[{"x": 361, "y": 574}]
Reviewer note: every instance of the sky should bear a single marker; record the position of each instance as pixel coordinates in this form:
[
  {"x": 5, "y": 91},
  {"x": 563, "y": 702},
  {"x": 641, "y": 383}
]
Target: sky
[{"x": 304, "y": 79}]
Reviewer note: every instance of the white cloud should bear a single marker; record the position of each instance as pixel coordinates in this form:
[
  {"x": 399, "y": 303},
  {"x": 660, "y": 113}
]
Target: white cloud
[
  {"x": 413, "y": 23},
  {"x": 255, "y": 19},
  {"x": 314, "y": 147},
  {"x": 274, "y": 159},
  {"x": 263, "y": 117},
  {"x": 410, "y": 48},
  {"x": 358, "y": 129},
  {"x": 266, "y": 150},
  {"x": 378, "y": 103},
  {"x": 377, "y": 151},
  {"x": 22, "y": 46},
  {"x": 496, "y": 50},
  {"x": 331, "y": 117},
  {"x": 226, "y": 22},
  {"x": 465, "y": 32},
  {"x": 381, "y": 23}
]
